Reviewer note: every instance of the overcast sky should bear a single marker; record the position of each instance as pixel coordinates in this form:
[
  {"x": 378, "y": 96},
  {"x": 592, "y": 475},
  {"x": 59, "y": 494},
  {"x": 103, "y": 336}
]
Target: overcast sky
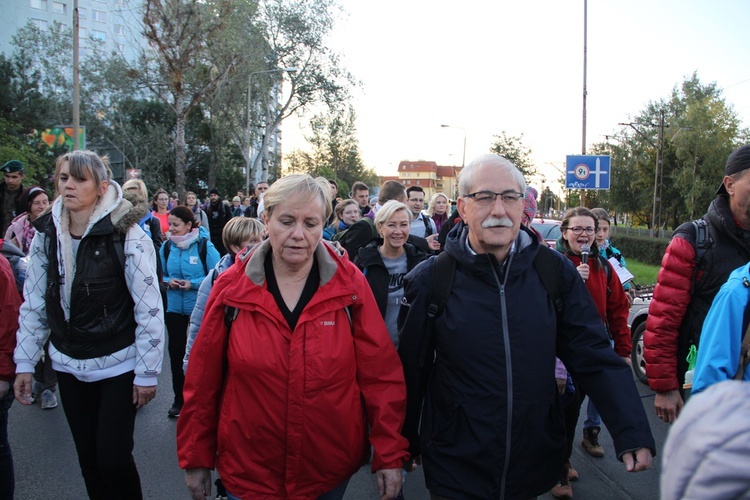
[{"x": 517, "y": 66}]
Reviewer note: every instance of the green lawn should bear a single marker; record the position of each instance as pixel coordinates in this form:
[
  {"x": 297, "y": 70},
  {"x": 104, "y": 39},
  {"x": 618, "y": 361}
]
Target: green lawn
[{"x": 645, "y": 274}]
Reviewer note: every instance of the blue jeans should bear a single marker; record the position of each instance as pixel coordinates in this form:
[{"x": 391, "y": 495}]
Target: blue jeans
[
  {"x": 335, "y": 494},
  {"x": 7, "y": 478}
]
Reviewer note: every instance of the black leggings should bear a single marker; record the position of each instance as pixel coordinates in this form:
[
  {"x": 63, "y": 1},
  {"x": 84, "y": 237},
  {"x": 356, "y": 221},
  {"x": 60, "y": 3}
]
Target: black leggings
[
  {"x": 177, "y": 325},
  {"x": 101, "y": 417}
]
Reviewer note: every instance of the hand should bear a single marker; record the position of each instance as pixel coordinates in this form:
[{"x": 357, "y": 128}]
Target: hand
[
  {"x": 412, "y": 464},
  {"x": 638, "y": 460},
  {"x": 22, "y": 388},
  {"x": 389, "y": 482},
  {"x": 143, "y": 394},
  {"x": 174, "y": 283},
  {"x": 432, "y": 242},
  {"x": 4, "y": 388},
  {"x": 668, "y": 405},
  {"x": 186, "y": 285},
  {"x": 561, "y": 383},
  {"x": 199, "y": 483},
  {"x": 583, "y": 270}
]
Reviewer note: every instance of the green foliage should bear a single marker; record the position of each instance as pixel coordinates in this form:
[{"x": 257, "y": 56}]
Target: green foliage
[
  {"x": 645, "y": 274},
  {"x": 512, "y": 148},
  {"x": 642, "y": 248},
  {"x": 37, "y": 169}
]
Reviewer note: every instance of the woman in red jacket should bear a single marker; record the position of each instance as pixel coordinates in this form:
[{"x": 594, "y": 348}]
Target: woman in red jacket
[
  {"x": 579, "y": 227},
  {"x": 291, "y": 365}
]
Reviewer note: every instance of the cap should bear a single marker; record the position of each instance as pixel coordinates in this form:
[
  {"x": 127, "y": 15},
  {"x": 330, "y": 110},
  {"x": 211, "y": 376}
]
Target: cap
[
  {"x": 529, "y": 203},
  {"x": 11, "y": 167},
  {"x": 738, "y": 161}
]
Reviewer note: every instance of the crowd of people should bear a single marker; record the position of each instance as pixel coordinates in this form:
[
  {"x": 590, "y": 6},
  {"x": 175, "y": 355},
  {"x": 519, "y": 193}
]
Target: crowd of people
[{"x": 302, "y": 324}]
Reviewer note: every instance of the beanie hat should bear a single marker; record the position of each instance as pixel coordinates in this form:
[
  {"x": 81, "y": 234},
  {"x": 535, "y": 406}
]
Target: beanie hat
[
  {"x": 214, "y": 191},
  {"x": 529, "y": 204},
  {"x": 738, "y": 161}
]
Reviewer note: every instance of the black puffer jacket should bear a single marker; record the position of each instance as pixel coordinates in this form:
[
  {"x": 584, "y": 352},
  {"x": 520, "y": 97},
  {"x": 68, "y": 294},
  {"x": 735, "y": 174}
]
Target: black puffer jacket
[{"x": 491, "y": 424}]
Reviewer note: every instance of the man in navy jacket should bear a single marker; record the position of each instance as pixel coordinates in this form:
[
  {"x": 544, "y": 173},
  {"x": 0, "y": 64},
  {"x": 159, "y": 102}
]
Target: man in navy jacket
[{"x": 491, "y": 425}]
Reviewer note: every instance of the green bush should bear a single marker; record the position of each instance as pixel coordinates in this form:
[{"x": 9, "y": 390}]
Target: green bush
[{"x": 643, "y": 248}]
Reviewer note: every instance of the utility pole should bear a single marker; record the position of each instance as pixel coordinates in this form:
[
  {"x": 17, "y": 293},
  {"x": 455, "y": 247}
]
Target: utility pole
[
  {"x": 585, "y": 48},
  {"x": 656, "y": 215},
  {"x": 76, "y": 83}
]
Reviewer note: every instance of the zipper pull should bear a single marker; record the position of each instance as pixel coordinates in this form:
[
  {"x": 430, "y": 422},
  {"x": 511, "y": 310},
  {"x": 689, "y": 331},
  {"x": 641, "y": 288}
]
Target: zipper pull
[{"x": 88, "y": 294}]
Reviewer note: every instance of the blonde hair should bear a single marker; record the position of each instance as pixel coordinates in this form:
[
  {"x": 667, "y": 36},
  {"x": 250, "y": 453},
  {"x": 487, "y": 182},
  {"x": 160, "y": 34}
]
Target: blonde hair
[
  {"x": 387, "y": 211},
  {"x": 339, "y": 210},
  {"x": 300, "y": 186},
  {"x": 431, "y": 208},
  {"x": 240, "y": 229},
  {"x": 139, "y": 185}
]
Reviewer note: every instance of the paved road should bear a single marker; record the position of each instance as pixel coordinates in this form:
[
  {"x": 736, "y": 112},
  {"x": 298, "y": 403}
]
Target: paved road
[{"x": 47, "y": 468}]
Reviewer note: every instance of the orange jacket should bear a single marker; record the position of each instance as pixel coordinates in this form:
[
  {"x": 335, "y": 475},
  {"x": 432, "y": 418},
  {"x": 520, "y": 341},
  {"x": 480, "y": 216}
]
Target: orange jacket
[{"x": 289, "y": 419}]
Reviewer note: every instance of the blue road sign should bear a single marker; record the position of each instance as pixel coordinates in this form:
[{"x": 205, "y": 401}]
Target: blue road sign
[{"x": 587, "y": 171}]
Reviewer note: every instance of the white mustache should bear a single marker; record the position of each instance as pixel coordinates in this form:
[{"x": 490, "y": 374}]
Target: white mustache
[{"x": 493, "y": 222}]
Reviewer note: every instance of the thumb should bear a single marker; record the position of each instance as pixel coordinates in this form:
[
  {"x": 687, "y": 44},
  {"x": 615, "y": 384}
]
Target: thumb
[{"x": 629, "y": 461}]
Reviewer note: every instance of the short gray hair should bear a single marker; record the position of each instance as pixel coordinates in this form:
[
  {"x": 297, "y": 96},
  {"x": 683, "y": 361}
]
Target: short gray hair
[
  {"x": 298, "y": 186},
  {"x": 465, "y": 177}
]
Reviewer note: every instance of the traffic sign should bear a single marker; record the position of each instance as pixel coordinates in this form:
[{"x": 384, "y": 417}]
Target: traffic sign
[
  {"x": 587, "y": 171},
  {"x": 134, "y": 173}
]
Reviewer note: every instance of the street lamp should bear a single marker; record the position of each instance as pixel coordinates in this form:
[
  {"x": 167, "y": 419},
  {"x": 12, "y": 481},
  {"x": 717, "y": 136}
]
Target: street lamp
[
  {"x": 561, "y": 187},
  {"x": 463, "y": 161},
  {"x": 248, "y": 135}
]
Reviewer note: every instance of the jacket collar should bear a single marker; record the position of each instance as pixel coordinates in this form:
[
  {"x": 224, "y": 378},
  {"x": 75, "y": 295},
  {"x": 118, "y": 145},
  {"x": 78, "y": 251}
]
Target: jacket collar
[{"x": 324, "y": 254}]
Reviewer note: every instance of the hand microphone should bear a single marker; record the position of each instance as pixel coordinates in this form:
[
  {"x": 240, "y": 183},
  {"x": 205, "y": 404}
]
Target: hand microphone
[{"x": 585, "y": 250}]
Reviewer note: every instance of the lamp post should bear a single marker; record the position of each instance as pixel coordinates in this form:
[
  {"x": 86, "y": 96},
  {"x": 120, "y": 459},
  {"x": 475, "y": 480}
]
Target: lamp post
[
  {"x": 563, "y": 174},
  {"x": 248, "y": 135},
  {"x": 463, "y": 160}
]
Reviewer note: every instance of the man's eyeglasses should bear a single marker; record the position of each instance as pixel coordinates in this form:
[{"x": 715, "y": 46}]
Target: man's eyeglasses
[
  {"x": 578, "y": 230},
  {"x": 509, "y": 198}
]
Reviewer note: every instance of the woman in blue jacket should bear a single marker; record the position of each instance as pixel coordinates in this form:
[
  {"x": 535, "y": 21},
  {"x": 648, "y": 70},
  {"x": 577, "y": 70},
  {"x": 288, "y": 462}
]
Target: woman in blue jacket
[{"x": 186, "y": 257}]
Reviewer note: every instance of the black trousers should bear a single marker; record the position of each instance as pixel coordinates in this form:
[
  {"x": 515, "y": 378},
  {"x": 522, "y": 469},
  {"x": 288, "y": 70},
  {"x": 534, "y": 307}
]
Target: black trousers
[
  {"x": 177, "y": 326},
  {"x": 101, "y": 417}
]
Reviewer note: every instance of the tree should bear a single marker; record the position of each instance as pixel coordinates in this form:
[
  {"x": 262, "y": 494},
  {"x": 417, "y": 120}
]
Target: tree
[
  {"x": 700, "y": 130},
  {"x": 512, "y": 148},
  {"x": 183, "y": 34},
  {"x": 296, "y": 31},
  {"x": 335, "y": 153}
]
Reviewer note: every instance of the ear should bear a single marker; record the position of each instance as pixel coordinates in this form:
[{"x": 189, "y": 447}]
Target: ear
[
  {"x": 461, "y": 207},
  {"x": 729, "y": 184},
  {"x": 264, "y": 216},
  {"x": 103, "y": 188}
]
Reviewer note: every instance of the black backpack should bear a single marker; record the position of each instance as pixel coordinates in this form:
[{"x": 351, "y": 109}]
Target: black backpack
[{"x": 696, "y": 232}]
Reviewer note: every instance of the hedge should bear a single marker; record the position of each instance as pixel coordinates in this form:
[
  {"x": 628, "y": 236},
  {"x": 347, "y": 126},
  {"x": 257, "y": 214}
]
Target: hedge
[{"x": 646, "y": 249}]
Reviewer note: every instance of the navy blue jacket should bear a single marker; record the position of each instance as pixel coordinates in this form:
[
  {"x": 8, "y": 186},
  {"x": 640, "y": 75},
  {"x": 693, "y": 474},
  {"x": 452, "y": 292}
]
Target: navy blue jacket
[{"x": 492, "y": 424}]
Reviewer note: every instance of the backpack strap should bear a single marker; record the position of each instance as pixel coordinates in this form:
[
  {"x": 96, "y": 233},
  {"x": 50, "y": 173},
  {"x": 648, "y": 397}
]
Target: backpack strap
[
  {"x": 443, "y": 277},
  {"x": 696, "y": 232},
  {"x": 745, "y": 349},
  {"x": 202, "y": 251},
  {"x": 551, "y": 276},
  {"x": 119, "y": 246}
]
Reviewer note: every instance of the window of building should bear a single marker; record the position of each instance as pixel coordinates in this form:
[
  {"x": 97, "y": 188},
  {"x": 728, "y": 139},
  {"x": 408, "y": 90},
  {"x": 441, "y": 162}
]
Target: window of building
[
  {"x": 58, "y": 7},
  {"x": 417, "y": 182},
  {"x": 98, "y": 35},
  {"x": 40, "y": 23},
  {"x": 38, "y": 4},
  {"x": 119, "y": 29},
  {"x": 82, "y": 12},
  {"x": 83, "y": 33},
  {"x": 98, "y": 15},
  {"x": 121, "y": 48}
]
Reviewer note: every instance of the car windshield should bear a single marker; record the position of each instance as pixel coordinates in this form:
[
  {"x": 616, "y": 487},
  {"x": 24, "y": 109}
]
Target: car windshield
[{"x": 548, "y": 231}]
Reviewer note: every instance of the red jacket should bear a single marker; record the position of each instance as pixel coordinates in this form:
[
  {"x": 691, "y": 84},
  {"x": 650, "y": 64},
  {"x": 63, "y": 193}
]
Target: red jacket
[
  {"x": 612, "y": 305},
  {"x": 665, "y": 314},
  {"x": 289, "y": 419},
  {"x": 10, "y": 303}
]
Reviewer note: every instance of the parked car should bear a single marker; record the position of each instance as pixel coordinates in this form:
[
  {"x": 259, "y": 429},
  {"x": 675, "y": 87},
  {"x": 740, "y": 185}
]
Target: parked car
[
  {"x": 637, "y": 322},
  {"x": 548, "y": 228}
]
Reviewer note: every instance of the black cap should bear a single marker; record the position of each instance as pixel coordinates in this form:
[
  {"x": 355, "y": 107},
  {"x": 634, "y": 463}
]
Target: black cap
[
  {"x": 214, "y": 191},
  {"x": 738, "y": 161}
]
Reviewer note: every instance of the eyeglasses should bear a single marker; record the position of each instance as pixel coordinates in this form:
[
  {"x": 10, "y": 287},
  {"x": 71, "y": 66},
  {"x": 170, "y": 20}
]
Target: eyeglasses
[
  {"x": 509, "y": 198},
  {"x": 578, "y": 230}
]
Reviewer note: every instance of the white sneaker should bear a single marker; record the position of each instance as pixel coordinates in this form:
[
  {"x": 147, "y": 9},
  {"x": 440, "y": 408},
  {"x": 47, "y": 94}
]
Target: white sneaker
[
  {"x": 49, "y": 400},
  {"x": 36, "y": 391}
]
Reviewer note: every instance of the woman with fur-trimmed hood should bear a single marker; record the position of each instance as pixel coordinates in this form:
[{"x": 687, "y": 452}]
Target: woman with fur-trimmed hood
[{"x": 106, "y": 345}]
